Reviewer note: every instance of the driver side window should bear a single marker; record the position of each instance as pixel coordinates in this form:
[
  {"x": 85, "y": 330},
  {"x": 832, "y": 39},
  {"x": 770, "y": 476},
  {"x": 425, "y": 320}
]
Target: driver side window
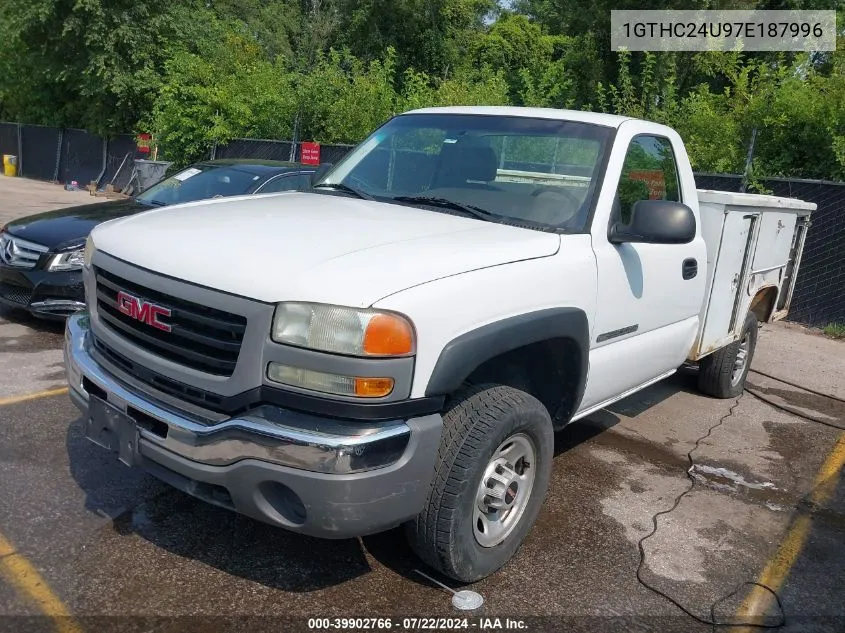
[{"x": 649, "y": 172}]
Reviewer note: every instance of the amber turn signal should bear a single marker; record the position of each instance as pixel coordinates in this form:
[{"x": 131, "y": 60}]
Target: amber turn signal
[
  {"x": 388, "y": 335},
  {"x": 373, "y": 387}
]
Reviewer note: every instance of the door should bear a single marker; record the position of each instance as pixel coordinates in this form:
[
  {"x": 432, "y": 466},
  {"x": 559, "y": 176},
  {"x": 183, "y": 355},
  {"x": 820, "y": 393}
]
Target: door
[
  {"x": 649, "y": 295},
  {"x": 725, "y": 294}
]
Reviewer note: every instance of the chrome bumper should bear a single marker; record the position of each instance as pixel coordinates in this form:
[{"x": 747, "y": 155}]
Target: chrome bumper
[{"x": 259, "y": 435}]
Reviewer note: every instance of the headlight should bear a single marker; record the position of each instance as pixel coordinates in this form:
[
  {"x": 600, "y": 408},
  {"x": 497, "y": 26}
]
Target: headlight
[
  {"x": 72, "y": 260},
  {"x": 343, "y": 330},
  {"x": 89, "y": 252}
]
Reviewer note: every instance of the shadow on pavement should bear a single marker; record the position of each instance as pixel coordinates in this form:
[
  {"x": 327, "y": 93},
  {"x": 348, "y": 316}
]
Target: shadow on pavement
[
  {"x": 640, "y": 402},
  {"x": 22, "y": 317},
  {"x": 139, "y": 504}
]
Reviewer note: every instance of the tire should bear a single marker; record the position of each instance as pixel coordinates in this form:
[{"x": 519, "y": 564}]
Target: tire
[
  {"x": 720, "y": 374},
  {"x": 477, "y": 423}
]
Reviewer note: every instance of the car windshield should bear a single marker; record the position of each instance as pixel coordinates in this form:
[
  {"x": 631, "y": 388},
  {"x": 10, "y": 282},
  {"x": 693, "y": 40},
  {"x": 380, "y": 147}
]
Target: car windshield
[
  {"x": 538, "y": 172},
  {"x": 199, "y": 182}
]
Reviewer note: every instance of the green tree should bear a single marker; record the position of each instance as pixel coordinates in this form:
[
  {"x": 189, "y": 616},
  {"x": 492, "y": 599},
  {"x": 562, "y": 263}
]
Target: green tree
[
  {"x": 90, "y": 63},
  {"x": 229, "y": 91},
  {"x": 431, "y": 36}
]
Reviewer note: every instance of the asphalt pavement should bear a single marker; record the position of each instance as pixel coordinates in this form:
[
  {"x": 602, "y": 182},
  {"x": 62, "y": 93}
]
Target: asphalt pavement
[{"x": 110, "y": 548}]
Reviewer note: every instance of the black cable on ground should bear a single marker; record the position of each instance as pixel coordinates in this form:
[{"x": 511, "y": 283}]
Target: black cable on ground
[
  {"x": 796, "y": 385},
  {"x": 712, "y": 621},
  {"x": 785, "y": 409}
]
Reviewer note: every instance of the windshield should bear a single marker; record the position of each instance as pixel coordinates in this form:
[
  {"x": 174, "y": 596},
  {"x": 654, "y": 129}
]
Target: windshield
[
  {"x": 199, "y": 182},
  {"x": 539, "y": 172}
]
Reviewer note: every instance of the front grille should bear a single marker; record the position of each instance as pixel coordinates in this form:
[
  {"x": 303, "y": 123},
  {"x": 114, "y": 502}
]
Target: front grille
[
  {"x": 20, "y": 253},
  {"x": 202, "y": 338},
  {"x": 15, "y": 294},
  {"x": 167, "y": 385}
]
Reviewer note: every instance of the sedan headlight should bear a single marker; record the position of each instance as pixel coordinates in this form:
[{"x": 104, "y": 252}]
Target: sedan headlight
[
  {"x": 343, "y": 330},
  {"x": 71, "y": 260}
]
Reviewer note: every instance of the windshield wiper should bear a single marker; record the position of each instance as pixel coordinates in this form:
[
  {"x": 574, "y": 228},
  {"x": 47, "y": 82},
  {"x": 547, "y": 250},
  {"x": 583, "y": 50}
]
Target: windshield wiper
[
  {"x": 341, "y": 187},
  {"x": 469, "y": 209}
]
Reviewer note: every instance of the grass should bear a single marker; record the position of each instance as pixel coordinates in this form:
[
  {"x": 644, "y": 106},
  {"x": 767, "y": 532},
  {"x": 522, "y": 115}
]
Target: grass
[{"x": 834, "y": 330}]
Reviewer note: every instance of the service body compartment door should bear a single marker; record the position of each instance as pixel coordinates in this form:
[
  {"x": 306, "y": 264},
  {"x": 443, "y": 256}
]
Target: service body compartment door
[
  {"x": 732, "y": 260},
  {"x": 776, "y": 231}
]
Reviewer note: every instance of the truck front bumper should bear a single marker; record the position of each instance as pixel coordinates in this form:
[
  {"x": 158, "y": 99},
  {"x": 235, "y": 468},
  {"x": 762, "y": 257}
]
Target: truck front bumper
[{"x": 319, "y": 476}]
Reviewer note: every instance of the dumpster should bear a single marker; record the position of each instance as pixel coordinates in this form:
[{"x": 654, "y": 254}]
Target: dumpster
[{"x": 10, "y": 165}]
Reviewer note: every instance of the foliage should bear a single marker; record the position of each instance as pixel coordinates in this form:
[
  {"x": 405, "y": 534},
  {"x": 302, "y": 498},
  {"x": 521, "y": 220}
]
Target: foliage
[
  {"x": 233, "y": 91},
  {"x": 198, "y": 72},
  {"x": 834, "y": 330},
  {"x": 430, "y": 35},
  {"x": 229, "y": 91}
]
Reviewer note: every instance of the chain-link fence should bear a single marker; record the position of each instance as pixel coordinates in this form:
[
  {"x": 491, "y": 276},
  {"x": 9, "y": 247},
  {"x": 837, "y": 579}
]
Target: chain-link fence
[
  {"x": 333, "y": 153},
  {"x": 819, "y": 297},
  {"x": 121, "y": 150},
  {"x": 257, "y": 149},
  {"x": 65, "y": 154},
  {"x": 9, "y": 139},
  {"x": 81, "y": 157},
  {"x": 267, "y": 149},
  {"x": 40, "y": 152}
]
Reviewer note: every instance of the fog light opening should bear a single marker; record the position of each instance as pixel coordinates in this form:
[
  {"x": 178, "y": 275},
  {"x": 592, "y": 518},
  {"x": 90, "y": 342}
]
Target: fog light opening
[
  {"x": 93, "y": 389},
  {"x": 284, "y": 501}
]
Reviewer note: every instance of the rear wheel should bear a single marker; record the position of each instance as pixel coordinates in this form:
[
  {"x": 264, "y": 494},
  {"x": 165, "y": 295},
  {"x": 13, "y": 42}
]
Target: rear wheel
[
  {"x": 492, "y": 474},
  {"x": 722, "y": 374}
]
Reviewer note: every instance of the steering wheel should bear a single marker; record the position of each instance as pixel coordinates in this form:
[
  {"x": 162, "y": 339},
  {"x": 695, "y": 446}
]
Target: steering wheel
[{"x": 563, "y": 212}]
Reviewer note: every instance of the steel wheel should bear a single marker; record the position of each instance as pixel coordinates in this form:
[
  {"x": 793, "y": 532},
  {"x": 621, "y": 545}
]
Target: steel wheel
[
  {"x": 741, "y": 359},
  {"x": 504, "y": 490}
]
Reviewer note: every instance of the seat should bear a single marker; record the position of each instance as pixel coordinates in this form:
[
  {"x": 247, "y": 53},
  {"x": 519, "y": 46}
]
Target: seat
[{"x": 466, "y": 166}]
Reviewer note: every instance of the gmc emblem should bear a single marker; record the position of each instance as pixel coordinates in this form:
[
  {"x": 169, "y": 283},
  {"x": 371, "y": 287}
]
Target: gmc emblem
[{"x": 144, "y": 311}]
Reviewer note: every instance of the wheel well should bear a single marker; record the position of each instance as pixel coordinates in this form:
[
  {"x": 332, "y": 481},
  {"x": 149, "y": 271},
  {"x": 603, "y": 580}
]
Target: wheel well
[
  {"x": 549, "y": 370},
  {"x": 763, "y": 303}
]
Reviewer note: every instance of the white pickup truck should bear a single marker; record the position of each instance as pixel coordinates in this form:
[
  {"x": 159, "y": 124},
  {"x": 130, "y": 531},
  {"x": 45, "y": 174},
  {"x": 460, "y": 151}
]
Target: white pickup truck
[{"x": 398, "y": 344}]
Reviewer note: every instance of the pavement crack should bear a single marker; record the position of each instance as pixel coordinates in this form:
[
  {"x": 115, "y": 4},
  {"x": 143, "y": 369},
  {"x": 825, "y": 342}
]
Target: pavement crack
[{"x": 711, "y": 621}]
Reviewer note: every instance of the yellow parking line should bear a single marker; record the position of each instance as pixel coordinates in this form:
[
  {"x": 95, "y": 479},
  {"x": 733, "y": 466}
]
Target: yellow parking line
[
  {"x": 23, "y": 576},
  {"x": 758, "y": 601},
  {"x": 33, "y": 396}
]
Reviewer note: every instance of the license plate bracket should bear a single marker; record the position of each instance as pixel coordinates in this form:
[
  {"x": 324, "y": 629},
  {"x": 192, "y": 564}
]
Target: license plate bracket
[{"x": 111, "y": 428}]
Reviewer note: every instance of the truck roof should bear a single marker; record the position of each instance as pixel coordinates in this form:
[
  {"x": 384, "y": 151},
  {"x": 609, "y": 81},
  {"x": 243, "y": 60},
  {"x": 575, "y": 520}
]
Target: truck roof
[{"x": 596, "y": 118}]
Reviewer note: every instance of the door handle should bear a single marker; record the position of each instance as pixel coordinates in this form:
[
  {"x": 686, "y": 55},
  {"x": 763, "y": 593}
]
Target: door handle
[{"x": 689, "y": 268}]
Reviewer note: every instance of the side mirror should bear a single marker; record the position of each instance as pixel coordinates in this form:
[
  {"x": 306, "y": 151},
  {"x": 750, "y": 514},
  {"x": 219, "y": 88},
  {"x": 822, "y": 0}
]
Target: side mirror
[
  {"x": 655, "y": 222},
  {"x": 322, "y": 170}
]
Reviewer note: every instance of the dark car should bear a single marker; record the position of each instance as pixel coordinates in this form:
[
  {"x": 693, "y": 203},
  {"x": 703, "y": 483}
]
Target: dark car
[{"x": 41, "y": 255}]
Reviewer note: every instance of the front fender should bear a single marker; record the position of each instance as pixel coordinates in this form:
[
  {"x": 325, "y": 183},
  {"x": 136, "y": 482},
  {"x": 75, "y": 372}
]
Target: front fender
[{"x": 461, "y": 356}]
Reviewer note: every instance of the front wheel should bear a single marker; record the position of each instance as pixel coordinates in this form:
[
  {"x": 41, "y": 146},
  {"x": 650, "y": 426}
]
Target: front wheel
[
  {"x": 722, "y": 373},
  {"x": 493, "y": 470}
]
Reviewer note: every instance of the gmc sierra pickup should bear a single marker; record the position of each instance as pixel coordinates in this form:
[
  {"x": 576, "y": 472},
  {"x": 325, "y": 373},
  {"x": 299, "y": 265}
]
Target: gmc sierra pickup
[{"x": 398, "y": 344}]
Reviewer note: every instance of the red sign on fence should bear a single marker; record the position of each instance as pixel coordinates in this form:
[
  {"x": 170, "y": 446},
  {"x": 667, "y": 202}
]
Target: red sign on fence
[
  {"x": 310, "y": 154},
  {"x": 143, "y": 143}
]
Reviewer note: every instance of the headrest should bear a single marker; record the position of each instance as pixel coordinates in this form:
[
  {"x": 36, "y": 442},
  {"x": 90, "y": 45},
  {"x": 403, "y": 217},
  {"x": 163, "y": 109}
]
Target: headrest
[{"x": 460, "y": 163}]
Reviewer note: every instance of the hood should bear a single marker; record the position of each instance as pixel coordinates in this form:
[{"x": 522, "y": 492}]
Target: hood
[
  {"x": 66, "y": 227},
  {"x": 314, "y": 247}
]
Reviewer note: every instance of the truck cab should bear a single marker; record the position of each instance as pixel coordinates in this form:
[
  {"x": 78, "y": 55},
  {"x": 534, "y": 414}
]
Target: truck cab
[{"x": 397, "y": 345}]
